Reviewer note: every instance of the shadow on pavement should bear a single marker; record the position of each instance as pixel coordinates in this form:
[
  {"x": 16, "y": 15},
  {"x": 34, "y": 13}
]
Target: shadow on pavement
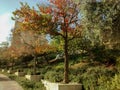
[{"x": 5, "y": 79}]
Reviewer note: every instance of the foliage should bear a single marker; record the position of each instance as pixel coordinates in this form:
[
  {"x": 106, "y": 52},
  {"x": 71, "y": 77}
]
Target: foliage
[
  {"x": 59, "y": 18},
  {"x": 58, "y": 43},
  {"x": 101, "y": 20},
  {"x": 108, "y": 84},
  {"x": 54, "y": 76},
  {"x": 118, "y": 62},
  {"x": 26, "y": 84},
  {"x": 79, "y": 45},
  {"x": 28, "y": 43},
  {"x": 55, "y": 73},
  {"x": 13, "y": 77},
  {"x": 92, "y": 77},
  {"x": 103, "y": 55}
]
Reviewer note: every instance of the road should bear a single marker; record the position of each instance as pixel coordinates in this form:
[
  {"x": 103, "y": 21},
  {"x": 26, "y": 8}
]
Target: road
[{"x": 8, "y": 84}]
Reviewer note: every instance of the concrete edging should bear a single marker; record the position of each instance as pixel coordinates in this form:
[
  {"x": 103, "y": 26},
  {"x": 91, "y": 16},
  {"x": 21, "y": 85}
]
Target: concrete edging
[
  {"x": 19, "y": 73},
  {"x": 33, "y": 77},
  {"x": 61, "y": 86}
]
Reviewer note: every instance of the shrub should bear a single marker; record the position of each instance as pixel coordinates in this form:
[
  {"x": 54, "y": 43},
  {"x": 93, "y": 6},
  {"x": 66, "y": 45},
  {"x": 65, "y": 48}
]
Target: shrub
[
  {"x": 109, "y": 84},
  {"x": 118, "y": 62},
  {"x": 45, "y": 69},
  {"x": 92, "y": 77},
  {"x": 75, "y": 58},
  {"x": 102, "y": 54},
  {"x": 54, "y": 76},
  {"x": 59, "y": 67},
  {"x": 97, "y": 53},
  {"x": 26, "y": 84},
  {"x": 12, "y": 77}
]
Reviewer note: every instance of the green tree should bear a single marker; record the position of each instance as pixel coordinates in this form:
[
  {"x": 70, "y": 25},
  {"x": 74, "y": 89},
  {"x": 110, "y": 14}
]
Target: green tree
[
  {"x": 102, "y": 22},
  {"x": 58, "y": 43}
]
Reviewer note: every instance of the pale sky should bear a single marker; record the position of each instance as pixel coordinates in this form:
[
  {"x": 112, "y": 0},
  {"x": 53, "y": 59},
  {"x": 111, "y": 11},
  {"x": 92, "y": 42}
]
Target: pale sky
[{"x": 6, "y": 9}]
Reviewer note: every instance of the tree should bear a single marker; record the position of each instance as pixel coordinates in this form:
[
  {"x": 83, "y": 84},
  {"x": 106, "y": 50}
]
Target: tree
[
  {"x": 58, "y": 43},
  {"x": 3, "y": 49},
  {"x": 102, "y": 22},
  {"x": 59, "y": 18},
  {"x": 29, "y": 43}
]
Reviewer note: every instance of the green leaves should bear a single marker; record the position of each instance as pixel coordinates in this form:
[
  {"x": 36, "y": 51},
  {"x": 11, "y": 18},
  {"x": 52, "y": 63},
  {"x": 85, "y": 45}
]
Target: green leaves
[{"x": 102, "y": 18}]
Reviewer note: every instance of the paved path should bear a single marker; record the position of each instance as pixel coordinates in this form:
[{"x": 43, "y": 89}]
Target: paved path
[{"x": 7, "y": 84}]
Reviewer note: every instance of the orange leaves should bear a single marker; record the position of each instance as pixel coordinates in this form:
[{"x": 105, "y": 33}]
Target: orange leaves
[
  {"x": 42, "y": 9},
  {"x": 26, "y": 19},
  {"x": 66, "y": 21},
  {"x": 46, "y": 10},
  {"x": 47, "y": 19},
  {"x": 12, "y": 52},
  {"x": 34, "y": 13},
  {"x": 59, "y": 3},
  {"x": 44, "y": 48}
]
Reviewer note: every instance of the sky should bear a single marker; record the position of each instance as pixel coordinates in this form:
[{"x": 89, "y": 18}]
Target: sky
[{"x": 6, "y": 9}]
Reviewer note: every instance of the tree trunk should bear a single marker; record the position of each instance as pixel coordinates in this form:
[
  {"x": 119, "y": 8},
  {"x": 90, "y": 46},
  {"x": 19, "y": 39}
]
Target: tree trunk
[
  {"x": 34, "y": 72},
  {"x": 46, "y": 59},
  {"x": 66, "y": 63},
  {"x": 12, "y": 64}
]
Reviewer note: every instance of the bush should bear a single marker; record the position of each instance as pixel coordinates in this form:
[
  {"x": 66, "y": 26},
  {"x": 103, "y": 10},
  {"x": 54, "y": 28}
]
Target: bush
[
  {"x": 12, "y": 77},
  {"x": 103, "y": 55},
  {"x": 109, "y": 84},
  {"x": 59, "y": 67},
  {"x": 30, "y": 85},
  {"x": 97, "y": 53},
  {"x": 118, "y": 62},
  {"x": 54, "y": 76},
  {"x": 75, "y": 58},
  {"x": 26, "y": 84},
  {"x": 45, "y": 69},
  {"x": 115, "y": 83},
  {"x": 92, "y": 77}
]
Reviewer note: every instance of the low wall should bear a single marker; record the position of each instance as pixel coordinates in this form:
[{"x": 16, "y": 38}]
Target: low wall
[
  {"x": 10, "y": 71},
  {"x": 19, "y": 73},
  {"x": 33, "y": 77},
  {"x": 3, "y": 70},
  {"x": 59, "y": 86}
]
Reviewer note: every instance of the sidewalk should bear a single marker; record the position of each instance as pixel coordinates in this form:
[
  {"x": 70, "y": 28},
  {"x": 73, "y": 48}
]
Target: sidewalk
[{"x": 7, "y": 84}]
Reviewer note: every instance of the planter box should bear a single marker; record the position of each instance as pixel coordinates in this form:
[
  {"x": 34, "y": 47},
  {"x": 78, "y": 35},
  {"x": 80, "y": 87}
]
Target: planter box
[
  {"x": 33, "y": 77},
  {"x": 60, "y": 86},
  {"x": 9, "y": 71},
  {"x": 3, "y": 70},
  {"x": 19, "y": 73}
]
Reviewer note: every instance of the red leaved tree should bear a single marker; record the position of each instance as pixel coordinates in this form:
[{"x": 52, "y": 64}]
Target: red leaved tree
[{"x": 60, "y": 17}]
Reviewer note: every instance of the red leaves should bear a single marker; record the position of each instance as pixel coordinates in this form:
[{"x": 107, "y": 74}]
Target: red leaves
[
  {"x": 26, "y": 19},
  {"x": 66, "y": 20},
  {"x": 59, "y": 3},
  {"x": 46, "y": 10},
  {"x": 63, "y": 13}
]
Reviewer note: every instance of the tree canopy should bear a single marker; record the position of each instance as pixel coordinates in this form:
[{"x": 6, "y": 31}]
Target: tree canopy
[
  {"x": 101, "y": 20},
  {"x": 59, "y": 18}
]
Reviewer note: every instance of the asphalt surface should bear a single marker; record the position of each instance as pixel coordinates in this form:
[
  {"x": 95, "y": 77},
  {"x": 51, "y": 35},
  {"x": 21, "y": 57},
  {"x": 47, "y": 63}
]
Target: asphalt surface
[{"x": 8, "y": 84}]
